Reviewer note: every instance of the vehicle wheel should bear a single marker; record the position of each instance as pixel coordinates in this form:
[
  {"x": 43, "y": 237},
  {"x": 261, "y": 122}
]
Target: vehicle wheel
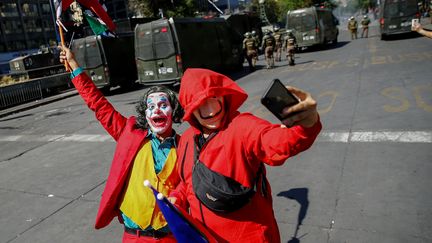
[{"x": 383, "y": 37}]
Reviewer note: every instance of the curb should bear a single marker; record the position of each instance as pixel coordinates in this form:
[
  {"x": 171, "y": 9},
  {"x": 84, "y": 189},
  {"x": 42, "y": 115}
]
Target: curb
[{"x": 36, "y": 103}]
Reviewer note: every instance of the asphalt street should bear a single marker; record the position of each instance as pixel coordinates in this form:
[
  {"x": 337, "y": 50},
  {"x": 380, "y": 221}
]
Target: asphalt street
[{"x": 366, "y": 179}]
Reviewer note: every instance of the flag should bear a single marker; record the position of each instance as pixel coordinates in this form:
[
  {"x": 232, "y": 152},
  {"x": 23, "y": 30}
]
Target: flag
[
  {"x": 97, "y": 27},
  {"x": 58, "y": 8},
  {"x": 96, "y": 8},
  {"x": 66, "y": 3},
  {"x": 185, "y": 228}
]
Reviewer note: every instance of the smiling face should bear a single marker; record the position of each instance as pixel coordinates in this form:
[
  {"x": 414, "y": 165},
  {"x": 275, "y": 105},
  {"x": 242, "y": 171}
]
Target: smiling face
[
  {"x": 159, "y": 114},
  {"x": 210, "y": 113}
]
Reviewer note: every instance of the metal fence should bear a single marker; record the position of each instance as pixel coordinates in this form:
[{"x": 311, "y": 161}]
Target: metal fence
[{"x": 35, "y": 89}]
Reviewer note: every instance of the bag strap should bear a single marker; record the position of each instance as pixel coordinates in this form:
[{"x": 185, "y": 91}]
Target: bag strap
[
  {"x": 260, "y": 174},
  {"x": 182, "y": 164}
]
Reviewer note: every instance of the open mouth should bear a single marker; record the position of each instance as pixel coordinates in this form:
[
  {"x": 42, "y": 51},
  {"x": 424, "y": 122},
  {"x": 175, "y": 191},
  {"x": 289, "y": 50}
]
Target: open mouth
[{"x": 159, "y": 121}]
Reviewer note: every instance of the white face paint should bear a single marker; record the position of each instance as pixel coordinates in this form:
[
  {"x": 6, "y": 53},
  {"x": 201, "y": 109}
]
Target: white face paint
[
  {"x": 159, "y": 113},
  {"x": 210, "y": 113}
]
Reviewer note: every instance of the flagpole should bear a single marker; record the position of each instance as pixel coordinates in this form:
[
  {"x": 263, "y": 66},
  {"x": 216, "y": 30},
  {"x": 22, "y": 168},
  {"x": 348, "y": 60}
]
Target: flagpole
[
  {"x": 66, "y": 64},
  {"x": 53, "y": 10}
]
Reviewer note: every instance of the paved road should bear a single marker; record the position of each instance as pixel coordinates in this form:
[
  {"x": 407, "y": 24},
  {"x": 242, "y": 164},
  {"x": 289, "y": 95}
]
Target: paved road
[{"x": 367, "y": 179}]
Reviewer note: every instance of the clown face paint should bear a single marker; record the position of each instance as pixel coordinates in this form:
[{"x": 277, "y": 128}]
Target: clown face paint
[
  {"x": 210, "y": 113},
  {"x": 159, "y": 113}
]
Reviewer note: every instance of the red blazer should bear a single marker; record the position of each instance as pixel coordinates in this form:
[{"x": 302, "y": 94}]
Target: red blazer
[{"x": 129, "y": 140}]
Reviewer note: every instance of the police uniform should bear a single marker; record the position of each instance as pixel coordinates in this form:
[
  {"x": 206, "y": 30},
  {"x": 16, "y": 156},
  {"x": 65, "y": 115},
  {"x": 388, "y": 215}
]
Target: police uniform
[
  {"x": 250, "y": 47},
  {"x": 268, "y": 45},
  {"x": 278, "y": 45},
  {"x": 290, "y": 43},
  {"x": 365, "y": 26},
  {"x": 352, "y": 27}
]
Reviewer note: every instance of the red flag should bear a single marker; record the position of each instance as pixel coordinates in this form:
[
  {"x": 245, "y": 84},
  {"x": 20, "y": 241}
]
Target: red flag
[
  {"x": 96, "y": 8},
  {"x": 65, "y": 4}
]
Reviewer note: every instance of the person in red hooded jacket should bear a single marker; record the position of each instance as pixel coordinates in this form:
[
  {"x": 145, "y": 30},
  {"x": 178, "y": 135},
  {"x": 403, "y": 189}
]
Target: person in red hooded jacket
[
  {"x": 145, "y": 150},
  {"x": 236, "y": 145}
]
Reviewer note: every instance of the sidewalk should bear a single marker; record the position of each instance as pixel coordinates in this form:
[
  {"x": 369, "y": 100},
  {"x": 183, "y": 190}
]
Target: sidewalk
[{"x": 37, "y": 103}]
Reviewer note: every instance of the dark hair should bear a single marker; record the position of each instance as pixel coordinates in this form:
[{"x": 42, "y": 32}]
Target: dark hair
[{"x": 141, "y": 107}]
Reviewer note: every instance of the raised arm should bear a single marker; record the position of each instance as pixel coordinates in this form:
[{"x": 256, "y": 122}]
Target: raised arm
[{"x": 111, "y": 120}]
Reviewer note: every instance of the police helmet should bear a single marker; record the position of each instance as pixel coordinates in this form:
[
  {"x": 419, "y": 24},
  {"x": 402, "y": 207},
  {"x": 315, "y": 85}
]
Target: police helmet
[
  {"x": 365, "y": 17},
  {"x": 276, "y": 28},
  {"x": 253, "y": 32},
  {"x": 248, "y": 34},
  {"x": 352, "y": 17}
]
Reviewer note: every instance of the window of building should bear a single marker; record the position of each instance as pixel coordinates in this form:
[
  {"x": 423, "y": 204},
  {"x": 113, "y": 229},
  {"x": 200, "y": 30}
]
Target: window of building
[
  {"x": 29, "y": 9},
  {"x": 12, "y": 27},
  {"x": 16, "y": 45},
  {"x": 47, "y": 25},
  {"x": 34, "y": 43},
  {"x": 8, "y": 10},
  {"x": 45, "y": 8},
  {"x": 33, "y": 25}
]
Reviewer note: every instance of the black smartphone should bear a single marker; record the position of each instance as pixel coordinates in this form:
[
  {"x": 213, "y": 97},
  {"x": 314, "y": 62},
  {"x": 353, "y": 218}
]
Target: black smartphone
[{"x": 277, "y": 97}]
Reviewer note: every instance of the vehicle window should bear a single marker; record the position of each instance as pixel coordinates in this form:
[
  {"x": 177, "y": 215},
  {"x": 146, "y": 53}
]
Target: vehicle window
[
  {"x": 163, "y": 44},
  {"x": 143, "y": 44},
  {"x": 301, "y": 22},
  {"x": 400, "y": 8},
  {"x": 87, "y": 54}
]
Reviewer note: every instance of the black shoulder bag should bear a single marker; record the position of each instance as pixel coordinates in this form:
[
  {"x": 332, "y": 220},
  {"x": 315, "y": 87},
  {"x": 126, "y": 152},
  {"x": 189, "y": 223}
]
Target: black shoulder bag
[{"x": 218, "y": 192}]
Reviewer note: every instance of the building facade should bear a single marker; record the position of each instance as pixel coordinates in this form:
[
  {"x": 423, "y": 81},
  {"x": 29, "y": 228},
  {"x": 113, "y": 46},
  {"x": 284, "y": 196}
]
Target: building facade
[{"x": 25, "y": 24}]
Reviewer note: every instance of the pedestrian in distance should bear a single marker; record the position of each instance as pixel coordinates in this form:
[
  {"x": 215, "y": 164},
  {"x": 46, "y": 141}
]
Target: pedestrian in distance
[
  {"x": 146, "y": 149},
  {"x": 268, "y": 45},
  {"x": 352, "y": 27},
  {"x": 419, "y": 29},
  {"x": 365, "y": 26},
  {"x": 231, "y": 148}
]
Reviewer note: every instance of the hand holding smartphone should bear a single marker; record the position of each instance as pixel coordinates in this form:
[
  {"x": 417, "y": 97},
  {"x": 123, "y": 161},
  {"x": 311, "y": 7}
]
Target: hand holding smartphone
[
  {"x": 414, "y": 23},
  {"x": 277, "y": 97}
]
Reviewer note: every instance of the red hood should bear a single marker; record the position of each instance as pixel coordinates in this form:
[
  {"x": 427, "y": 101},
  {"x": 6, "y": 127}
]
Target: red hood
[{"x": 198, "y": 84}]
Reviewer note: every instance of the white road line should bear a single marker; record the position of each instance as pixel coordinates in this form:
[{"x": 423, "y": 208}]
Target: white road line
[{"x": 335, "y": 137}]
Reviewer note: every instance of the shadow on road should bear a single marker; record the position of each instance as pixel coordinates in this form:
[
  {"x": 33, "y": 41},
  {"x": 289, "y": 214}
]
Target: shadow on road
[
  {"x": 324, "y": 47},
  {"x": 301, "y": 196}
]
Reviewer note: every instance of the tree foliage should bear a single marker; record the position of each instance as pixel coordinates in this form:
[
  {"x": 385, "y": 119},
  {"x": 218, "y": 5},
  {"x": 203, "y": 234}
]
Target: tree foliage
[{"x": 169, "y": 8}]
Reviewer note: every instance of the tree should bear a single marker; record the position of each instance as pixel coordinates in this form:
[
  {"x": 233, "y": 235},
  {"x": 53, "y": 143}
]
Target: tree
[
  {"x": 170, "y": 8},
  {"x": 272, "y": 9}
]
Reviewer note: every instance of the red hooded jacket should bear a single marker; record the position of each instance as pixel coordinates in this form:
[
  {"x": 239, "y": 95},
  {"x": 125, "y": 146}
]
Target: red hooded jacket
[{"x": 243, "y": 142}]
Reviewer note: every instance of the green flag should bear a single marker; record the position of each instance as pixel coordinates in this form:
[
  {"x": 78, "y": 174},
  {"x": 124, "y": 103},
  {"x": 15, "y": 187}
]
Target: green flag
[{"x": 97, "y": 27}]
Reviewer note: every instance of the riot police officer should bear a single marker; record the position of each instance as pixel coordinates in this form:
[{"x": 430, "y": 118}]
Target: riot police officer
[
  {"x": 290, "y": 45},
  {"x": 365, "y": 26},
  {"x": 250, "y": 48},
  {"x": 278, "y": 45},
  {"x": 268, "y": 45},
  {"x": 352, "y": 27}
]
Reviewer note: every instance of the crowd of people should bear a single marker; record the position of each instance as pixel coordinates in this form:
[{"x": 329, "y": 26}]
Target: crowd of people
[
  {"x": 229, "y": 146},
  {"x": 271, "y": 45}
]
